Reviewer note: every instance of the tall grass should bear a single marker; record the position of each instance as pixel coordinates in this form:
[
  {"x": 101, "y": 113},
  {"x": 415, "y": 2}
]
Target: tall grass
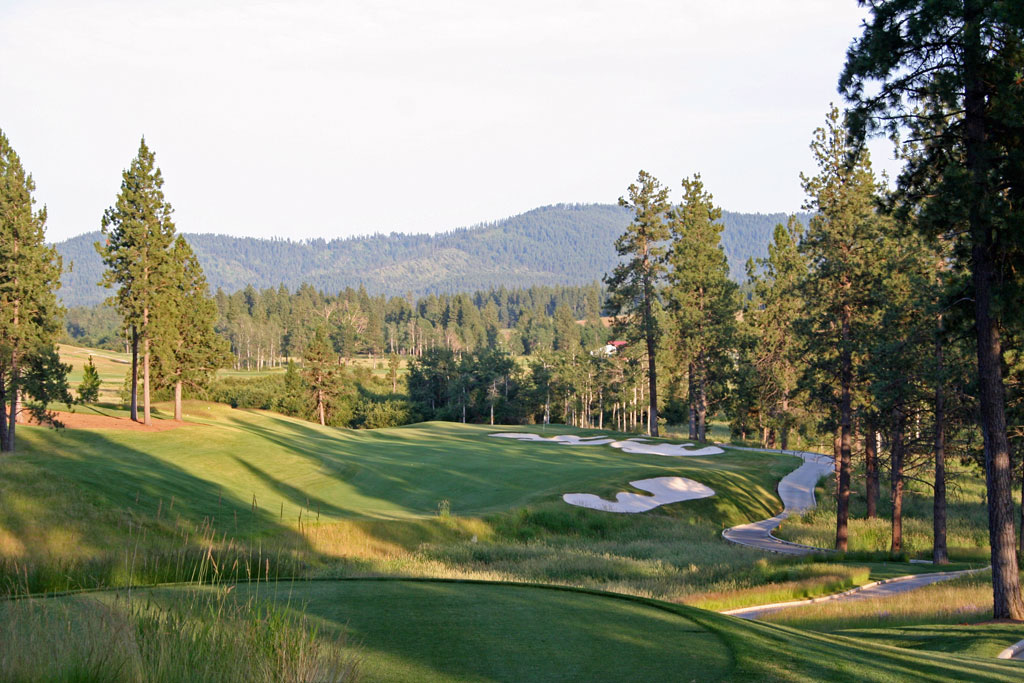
[
  {"x": 966, "y": 528},
  {"x": 958, "y": 601},
  {"x": 207, "y": 636}
]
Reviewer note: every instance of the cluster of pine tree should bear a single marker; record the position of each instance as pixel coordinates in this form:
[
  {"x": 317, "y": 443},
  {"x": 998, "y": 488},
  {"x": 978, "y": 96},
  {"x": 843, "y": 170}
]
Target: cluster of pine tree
[
  {"x": 31, "y": 374},
  {"x": 162, "y": 296}
]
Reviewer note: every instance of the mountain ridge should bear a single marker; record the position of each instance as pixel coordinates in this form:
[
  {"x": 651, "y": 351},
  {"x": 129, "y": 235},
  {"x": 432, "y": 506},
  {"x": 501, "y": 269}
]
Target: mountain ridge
[{"x": 559, "y": 244}]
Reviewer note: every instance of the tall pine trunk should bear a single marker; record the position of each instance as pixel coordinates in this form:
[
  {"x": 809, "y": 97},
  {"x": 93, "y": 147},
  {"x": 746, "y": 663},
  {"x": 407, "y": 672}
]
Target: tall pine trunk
[
  {"x": 845, "y": 429},
  {"x": 939, "y": 553},
  {"x": 1007, "y": 602},
  {"x": 871, "y": 469},
  {"x": 702, "y": 401},
  {"x": 896, "y": 480},
  {"x": 146, "y": 419},
  {"x": 13, "y": 415},
  {"x": 652, "y": 375},
  {"x": 784, "y": 430},
  {"x": 692, "y": 402},
  {"x": 3, "y": 412},
  {"x": 135, "y": 375},
  {"x": 177, "y": 400}
]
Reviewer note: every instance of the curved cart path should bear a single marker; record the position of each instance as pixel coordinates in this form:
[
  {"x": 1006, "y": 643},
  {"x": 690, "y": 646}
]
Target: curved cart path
[
  {"x": 796, "y": 490},
  {"x": 869, "y": 591}
]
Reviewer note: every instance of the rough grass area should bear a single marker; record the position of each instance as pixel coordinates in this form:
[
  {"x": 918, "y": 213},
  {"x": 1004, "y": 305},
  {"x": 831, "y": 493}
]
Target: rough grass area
[
  {"x": 958, "y": 601},
  {"x": 199, "y": 636},
  {"x": 966, "y": 529},
  {"x": 402, "y": 630}
]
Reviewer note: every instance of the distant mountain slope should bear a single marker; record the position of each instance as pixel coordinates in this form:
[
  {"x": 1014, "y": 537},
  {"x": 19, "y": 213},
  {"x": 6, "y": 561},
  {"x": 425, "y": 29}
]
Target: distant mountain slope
[{"x": 553, "y": 245}]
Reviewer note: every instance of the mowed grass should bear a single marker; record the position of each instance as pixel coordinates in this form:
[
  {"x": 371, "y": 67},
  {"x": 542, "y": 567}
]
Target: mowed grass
[
  {"x": 224, "y": 460},
  {"x": 111, "y": 366},
  {"x": 429, "y": 630},
  {"x": 104, "y": 507}
]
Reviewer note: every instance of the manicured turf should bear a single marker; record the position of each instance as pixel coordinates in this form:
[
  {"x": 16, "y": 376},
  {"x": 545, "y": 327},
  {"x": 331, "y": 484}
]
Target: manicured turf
[{"x": 226, "y": 459}]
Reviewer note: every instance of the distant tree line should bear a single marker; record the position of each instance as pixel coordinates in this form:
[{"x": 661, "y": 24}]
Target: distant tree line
[{"x": 565, "y": 244}]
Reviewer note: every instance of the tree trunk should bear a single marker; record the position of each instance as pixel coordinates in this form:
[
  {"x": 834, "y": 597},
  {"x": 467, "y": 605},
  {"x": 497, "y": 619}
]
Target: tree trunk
[
  {"x": 939, "y": 552},
  {"x": 652, "y": 371},
  {"x": 871, "y": 469},
  {"x": 845, "y": 425},
  {"x": 320, "y": 410},
  {"x": 702, "y": 402},
  {"x": 146, "y": 419},
  {"x": 3, "y": 413},
  {"x": 135, "y": 375},
  {"x": 11, "y": 423},
  {"x": 1006, "y": 594},
  {"x": 896, "y": 481},
  {"x": 692, "y": 403},
  {"x": 177, "y": 400},
  {"x": 784, "y": 431}
]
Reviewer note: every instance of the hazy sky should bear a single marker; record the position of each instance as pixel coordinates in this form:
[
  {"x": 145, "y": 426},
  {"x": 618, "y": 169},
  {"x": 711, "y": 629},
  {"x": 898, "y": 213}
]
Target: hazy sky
[{"x": 306, "y": 118}]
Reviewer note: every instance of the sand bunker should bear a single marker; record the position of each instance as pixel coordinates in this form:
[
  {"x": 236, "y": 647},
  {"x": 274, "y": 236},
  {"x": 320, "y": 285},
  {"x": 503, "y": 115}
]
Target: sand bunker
[
  {"x": 640, "y": 446},
  {"x": 665, "y": 490}
]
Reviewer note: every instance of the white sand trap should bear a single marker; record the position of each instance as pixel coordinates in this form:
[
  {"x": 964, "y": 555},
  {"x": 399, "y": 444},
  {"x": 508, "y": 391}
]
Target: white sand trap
[
  {"x": 627, "y": 446},
  {"x": 568, "y": 439},
  {"x": 665, "y": 490},
  {"x": 672, "y": 450}
]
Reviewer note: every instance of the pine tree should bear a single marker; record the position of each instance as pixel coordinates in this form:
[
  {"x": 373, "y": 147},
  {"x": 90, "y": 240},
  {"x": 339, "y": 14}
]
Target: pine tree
[
  {"x": 31, "y": 374},
  {"x": 777, "y": 306},
  {"x": 322, "y": 373},
  {"x": 139, "y": 234},
  {"x": 952, "y": 70},
  {"x": 186, "y": 349},
  {"x": 838, "y": 247},
  {"x": 701, "y": 298},
  {"x": 633, "y": 285},
  {"x": 89, "y": 389}
]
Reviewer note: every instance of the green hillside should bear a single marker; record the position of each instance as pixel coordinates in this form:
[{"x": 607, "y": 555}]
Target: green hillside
[{"x": 552, "y": 245}]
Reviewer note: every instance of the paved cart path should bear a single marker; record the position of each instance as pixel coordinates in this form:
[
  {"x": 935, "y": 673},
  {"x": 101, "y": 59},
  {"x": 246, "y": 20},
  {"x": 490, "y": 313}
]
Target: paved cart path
[{"x": 796, "y": 490}]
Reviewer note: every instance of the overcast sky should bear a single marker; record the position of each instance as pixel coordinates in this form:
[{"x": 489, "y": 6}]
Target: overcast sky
[{"x": 304, "y": 118}]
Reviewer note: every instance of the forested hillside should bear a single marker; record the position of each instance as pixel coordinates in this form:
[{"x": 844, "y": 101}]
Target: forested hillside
[{"x": 564, "y": 244}]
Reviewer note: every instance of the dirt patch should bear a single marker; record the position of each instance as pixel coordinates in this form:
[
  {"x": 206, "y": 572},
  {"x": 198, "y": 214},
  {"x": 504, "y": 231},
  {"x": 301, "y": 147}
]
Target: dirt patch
[{"x": 96, "y": 421}]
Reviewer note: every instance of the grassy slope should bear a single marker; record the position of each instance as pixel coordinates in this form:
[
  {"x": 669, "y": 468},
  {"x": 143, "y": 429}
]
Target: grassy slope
[
  {"x": 450, "y": 631},
  {"x": 225, "y": 458}
]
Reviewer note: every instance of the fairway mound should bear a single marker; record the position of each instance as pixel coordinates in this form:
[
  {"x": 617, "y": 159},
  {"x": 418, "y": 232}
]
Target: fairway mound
[
  {"x": 97, "y": 421},
  {"x": 664, "y": 490},
  {"x": 636, "y": 446}
]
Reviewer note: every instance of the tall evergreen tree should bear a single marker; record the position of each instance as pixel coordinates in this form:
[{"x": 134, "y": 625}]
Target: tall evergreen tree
[
  {"x": 633, "y": 285},
  {"x": 186, "y": 349},
  {"x": 30, "y": 372},
  {"x": 777, "y": 305},
  {"x": 951, "y": 70},
  {"x": 138, "y": 235},
  {"x": 838, "y": 247},
  {"x": 322, "y": 373},
  {"x": 701, "y": 298}
]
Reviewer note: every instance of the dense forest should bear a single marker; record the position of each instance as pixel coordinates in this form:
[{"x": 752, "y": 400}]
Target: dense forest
[
  {"x": 566, "y": 244},
  {"x": 267, "y": 327}
]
